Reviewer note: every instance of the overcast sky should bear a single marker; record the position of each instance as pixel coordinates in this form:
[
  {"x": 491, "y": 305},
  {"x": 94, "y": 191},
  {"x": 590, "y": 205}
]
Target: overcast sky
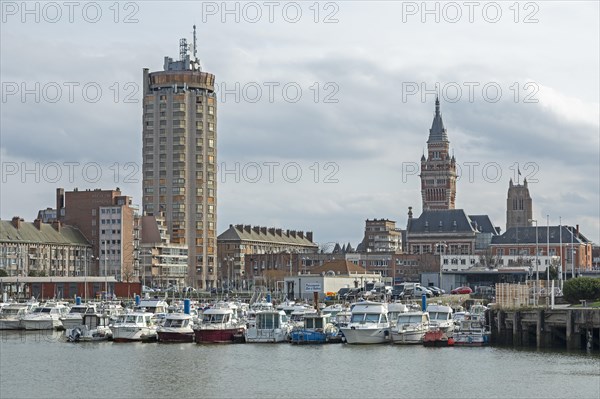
[{"x": 341, "y": 92}]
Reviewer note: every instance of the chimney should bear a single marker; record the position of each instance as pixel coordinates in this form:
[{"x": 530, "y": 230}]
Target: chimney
[
  {"x": 293, "y": 233},
  {"x": 410, "y": 214},
  {"x": 56, "y": 225},
  {"x": 301, "y": 234},
  {"x": 248, "y": 228},
  {"x": 278, "y": 232},
  {"x": 272, "y": 230},
  {"x": 309, "y": 236},
  {"x": 38, "y": 224},
  {"x": 577, "y": 231},
  {"x": 263, "y": 230},
  {"x": 256, "y": 229},
  {"x": 16, "y": 222},
  {"x": 239, "y": 227},
  {"x": 60, "y": 203}
]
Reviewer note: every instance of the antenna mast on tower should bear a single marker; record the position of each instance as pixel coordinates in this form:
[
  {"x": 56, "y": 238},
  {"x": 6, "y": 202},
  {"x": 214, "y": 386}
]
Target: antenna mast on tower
[{"x": 195, "y": 59}]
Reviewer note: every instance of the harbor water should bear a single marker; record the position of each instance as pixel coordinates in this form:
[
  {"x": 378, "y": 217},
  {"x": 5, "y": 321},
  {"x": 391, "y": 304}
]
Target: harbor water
[{"x": 43, "y": 365}]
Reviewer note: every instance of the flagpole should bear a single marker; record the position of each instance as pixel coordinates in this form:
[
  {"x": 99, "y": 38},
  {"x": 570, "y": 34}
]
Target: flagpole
[
  {"x": 548, "y": 254},
  {"x": 560, "y": 275}
]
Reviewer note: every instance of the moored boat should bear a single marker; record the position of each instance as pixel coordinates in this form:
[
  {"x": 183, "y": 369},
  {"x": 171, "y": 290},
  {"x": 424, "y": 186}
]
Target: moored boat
[
  {"x": 472, "y": 332},
  {"x": 219, "y": 325},
  {"x": 177, "y": 327},
  {"x": 410, "y": 327},
  {"x": 94, "y": 327},
  {"x": 75, "y": 316},
  {"x": 270, "y": 326},
  {"x": 12, "y": 315},
  {"x": 135, "y": 326},
  {"x": 441, "y": 326},
  {"x": 46, "y": 317},
  {"x": 317, "y": 329},
  {"x": 369, "y": 324}
]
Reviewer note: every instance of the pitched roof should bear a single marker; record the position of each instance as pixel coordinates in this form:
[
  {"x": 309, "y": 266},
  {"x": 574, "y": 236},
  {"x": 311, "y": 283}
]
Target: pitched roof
[
  {"x": 526, "y": 235},
  {"x": 339, "y": 266},
  {"x": 263, "y": 234},
  {"x": 438, "y": 131},
  {"x": 483, "y": 224},
  {"x": 441, "y": 221},
  {"x": 46, "y": 234}
]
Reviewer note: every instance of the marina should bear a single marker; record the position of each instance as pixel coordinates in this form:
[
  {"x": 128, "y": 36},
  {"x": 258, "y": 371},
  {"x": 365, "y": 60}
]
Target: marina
[{"x": 155, "y": 370}]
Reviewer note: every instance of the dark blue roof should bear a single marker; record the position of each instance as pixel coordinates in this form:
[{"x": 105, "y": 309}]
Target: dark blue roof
[
  {"x": 437, "y": 132},
  {"x": 442, "y": 221},
  {"x": 483, "y": 224}
]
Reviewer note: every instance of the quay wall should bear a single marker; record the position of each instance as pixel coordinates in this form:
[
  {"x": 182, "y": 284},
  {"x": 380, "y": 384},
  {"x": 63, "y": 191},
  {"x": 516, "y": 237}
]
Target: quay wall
[{"x": 577, "y": 329}]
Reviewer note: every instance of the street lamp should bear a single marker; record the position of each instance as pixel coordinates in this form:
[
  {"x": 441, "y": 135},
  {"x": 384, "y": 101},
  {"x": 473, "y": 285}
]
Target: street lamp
[
  {"x": 537, "y": 272},
  {"x": 105, "y": 271},
  {"x": 229, "y": 261},
  {"x": 439, "y": 246}
]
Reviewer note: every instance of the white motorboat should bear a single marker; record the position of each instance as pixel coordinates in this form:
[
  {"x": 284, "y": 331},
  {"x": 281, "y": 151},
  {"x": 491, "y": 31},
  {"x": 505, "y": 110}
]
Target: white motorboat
[
  {"x": 333, "y": 309},
  {"x": 269, "y": 326},
  {"x": 298, "y": 314},
  {"x": 94, "y": 327},
  {"x": 440, "y": 317},
  {"x": 220, "y": 324},
  {"x": 472, "y": 331},
  {"x": 441, "y": 326},
  {"x": 135, "y": 326},
  {"x": 75, "y": 316},
  {"x": 342, "y": 318},
  {"x": 410, "y": 327},
  {"x": 46, "y": 317},
  {"x": 369, "y": 324},
  {"x": 12, "y": 315},
  {"x": 394, "y": 310},
  {"x": 177, "y": 327}
]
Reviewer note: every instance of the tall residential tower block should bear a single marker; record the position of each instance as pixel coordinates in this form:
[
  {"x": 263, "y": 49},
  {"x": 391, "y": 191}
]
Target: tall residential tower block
[{"x": 180, "y": 157}]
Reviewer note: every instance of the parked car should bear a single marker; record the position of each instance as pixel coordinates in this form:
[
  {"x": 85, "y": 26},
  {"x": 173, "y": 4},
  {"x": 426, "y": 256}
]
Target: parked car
[
  {"x": 342, "y": 292},
  {"x": 397, "y": 293},
  {"x": 461, "y": 290},
  {"x": 188, "y": 290},
  {"x": 147, "y": 289},
  {"x": 435, "y": 290},
  {"x": 420, "y": 290}
]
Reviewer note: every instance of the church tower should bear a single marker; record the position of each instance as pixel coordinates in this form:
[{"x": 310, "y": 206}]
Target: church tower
[
  {"x": 519, "y": 206},
  {"x": 438, "y": 170}
]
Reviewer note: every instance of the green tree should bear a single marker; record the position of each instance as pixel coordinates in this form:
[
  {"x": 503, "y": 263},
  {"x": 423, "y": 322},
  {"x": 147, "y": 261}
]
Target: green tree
[
  {"x": 3, "y": 273},
  {"x": 581, "y": 288}
]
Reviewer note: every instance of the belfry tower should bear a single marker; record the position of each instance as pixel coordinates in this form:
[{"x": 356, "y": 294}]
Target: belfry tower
[{"x": 438, "y": 170}]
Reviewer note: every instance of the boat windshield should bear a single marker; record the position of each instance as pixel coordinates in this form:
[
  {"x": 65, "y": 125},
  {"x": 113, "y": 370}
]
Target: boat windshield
[
  {"x": 46, "y": 310},
  {"x": 409, "y": 319},
  {"x": 440, "y": 316},
  {"x": 9, "y": 311},
  {"x": 78, "y": 309},
  {"x": 267, "y": 321},
  {"x": 215, "y": 318},
  {"x": 367, "y": 318},
  {"x": 176, "y": 322}
]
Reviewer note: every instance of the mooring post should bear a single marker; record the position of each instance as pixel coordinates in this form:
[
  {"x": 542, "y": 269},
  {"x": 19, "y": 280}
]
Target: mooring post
[
  {"x": 516, "y": 338},
  {"x": 539, "y": 328},
  {"x": 569, "y": 329}
]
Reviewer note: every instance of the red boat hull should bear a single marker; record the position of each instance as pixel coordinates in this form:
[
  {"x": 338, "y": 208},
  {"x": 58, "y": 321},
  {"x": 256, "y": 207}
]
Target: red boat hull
[
  {"x": 437, "y": 338},
  {"x": 218, "y": 336},
  {"x": 175, "y": 337}
]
